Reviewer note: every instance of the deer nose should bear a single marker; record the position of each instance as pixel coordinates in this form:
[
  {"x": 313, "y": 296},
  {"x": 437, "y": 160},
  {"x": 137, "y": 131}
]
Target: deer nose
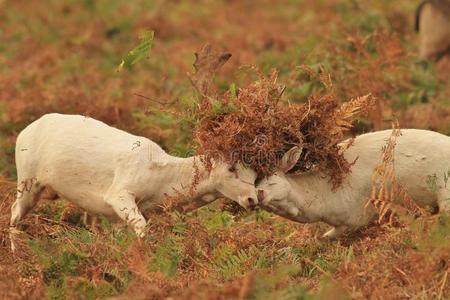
[
  {"x": 260, "y": 196},
  {"x": 251, "y": 203}
]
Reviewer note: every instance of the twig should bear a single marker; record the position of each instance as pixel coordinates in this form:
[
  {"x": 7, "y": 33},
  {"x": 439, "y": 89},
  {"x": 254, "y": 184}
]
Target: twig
[
  {"x": 156, "y": 101},
  {"x": 307, "y": 112},
  {"x": 52, "y": 221},
  {"x": 403, "y": 273}
]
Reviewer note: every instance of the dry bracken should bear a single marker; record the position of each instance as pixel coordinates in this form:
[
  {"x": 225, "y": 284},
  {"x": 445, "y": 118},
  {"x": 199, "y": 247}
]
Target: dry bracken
[{"x": 256, "y": 127}]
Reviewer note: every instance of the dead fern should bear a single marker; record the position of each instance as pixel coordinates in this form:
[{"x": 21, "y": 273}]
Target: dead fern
[
  {"x": 182, "y": 200},
  {"x": 388, "y": 196},
  {"x": 255, "y": 127}
]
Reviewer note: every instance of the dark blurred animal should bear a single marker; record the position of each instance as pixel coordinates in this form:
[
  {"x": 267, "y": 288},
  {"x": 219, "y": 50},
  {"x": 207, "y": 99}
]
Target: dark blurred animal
[{"x": 433, "y": 26}]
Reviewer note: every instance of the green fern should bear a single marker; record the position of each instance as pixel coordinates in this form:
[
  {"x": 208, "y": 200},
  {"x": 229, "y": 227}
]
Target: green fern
[
  {"x": 288, "y": 255},
  {"x": 230, "y": 263},
  {"x": 439, "y": 232},
  {"x": 432, "y": 183},
  {"x": 446, "y": 177},
  {"x": 218, "y": 220},
  {"x": 220, "y": 108},
  {"x": 138, "y": 53},
  {"x": 264, "y": 285},
  {"x": 167, "y": 257},
  {"x": 180, "y": 226},
  {"x": 169, "y": 253}
]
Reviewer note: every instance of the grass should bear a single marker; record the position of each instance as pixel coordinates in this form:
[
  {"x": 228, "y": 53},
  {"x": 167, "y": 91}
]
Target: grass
[
  {"x": 201, "y": 256},
  {"x": 62, "y": 55}
]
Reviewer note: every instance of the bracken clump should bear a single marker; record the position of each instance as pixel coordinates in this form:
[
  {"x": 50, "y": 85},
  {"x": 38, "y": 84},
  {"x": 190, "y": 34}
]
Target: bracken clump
[{"x": 256, "y": 128}]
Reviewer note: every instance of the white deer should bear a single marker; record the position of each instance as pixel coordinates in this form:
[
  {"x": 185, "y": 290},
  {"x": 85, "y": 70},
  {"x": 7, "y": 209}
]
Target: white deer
[
  {"x": 308, "y": 197},
  {"x": 108, "y": 171}
]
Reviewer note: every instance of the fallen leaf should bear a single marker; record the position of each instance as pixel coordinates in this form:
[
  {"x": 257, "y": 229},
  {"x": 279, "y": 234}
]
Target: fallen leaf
[{"x": 207, "y": 63}]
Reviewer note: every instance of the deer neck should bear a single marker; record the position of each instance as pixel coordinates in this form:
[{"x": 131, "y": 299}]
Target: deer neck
[
  {"x": 309, "y": 195},
  {"x": 192, "y": 186}
]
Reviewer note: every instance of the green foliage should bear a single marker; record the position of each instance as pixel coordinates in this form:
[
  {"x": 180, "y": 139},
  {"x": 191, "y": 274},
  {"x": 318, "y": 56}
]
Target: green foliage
[
  {"x": 218, "y": 220},
  {"x": 139, "y": 52},
  {"x": 267, "y": 286},
  {"x": 424, "y": 86},
  {"x": 282, "y": 60},
  {"x": 80, "y": 236},
  {"x": 51, "y": 211},
  {"x": 75, "y": 218},
  {"x": 220, "y": 108},
  {"x": 432, "y": 183},
  {"x": 233, "y": 91},
  {"x": 370, "y": 21},
  {"x": 65, "y": 264},
  {"x": 7, "y": 150},
  {"x": 439, "y": 233},
  {"x": 230, "y": 263},
  {"x": 59, "y": 288},
  {"x": 446, "y": 177},
  {"x": 264, "y": 286},
  {"x": 123, "y": 239},
  {"x": 180, "y": 226},
  {"x": 261, "y": 215},
  {"x": 432, "y": 238},
  {"x": 169, "y": 252},
  {"x": 6, "y": 155},
  {"x": 57, "y": 291},
  {"x": 167, "y": 257},
  {"x": 104, "y": 223},
  {"x": 40, "y": 249},
  {"x": 91, "y": 291}
]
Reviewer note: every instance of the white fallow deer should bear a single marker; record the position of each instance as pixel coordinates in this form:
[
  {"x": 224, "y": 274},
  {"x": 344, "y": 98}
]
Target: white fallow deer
[
  {"x": 110, "y": 172},
  {"x": 309, "y": 197}
]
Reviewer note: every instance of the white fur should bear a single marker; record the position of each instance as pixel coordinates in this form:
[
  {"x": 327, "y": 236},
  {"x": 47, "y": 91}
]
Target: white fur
[
  {"x": 111, "y": 172},
  {"x": 309, "y": 197}
]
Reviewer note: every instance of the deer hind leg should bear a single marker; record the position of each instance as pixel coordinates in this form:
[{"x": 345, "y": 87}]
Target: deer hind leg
[
  {"x": 28, "y": 192},
  {"x": 335, "y": 232},
  {"x": 123, "y": 203},
  {"x": 90, "y": 221}
]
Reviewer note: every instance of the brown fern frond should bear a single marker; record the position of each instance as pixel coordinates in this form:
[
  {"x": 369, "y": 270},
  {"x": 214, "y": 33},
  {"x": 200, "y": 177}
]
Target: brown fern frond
[
  {"x": 255, "y": 128},
  {"x": 388, "y": 197}
]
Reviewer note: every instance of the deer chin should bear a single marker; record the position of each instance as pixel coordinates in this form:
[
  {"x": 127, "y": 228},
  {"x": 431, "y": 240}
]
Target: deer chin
[{"x": 246, "y": 203}]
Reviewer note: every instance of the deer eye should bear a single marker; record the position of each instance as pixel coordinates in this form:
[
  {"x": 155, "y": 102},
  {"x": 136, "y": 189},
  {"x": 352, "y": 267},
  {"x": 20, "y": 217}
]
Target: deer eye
[{"x": 232, "y": 169}]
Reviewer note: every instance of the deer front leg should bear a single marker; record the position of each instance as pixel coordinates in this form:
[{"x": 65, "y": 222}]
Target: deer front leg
[{"x": 124, "y": 204}]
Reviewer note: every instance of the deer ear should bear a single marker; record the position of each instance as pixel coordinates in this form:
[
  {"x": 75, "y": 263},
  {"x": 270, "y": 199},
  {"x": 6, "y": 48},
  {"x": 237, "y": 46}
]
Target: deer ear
[{"x": 290, "y": 158}]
